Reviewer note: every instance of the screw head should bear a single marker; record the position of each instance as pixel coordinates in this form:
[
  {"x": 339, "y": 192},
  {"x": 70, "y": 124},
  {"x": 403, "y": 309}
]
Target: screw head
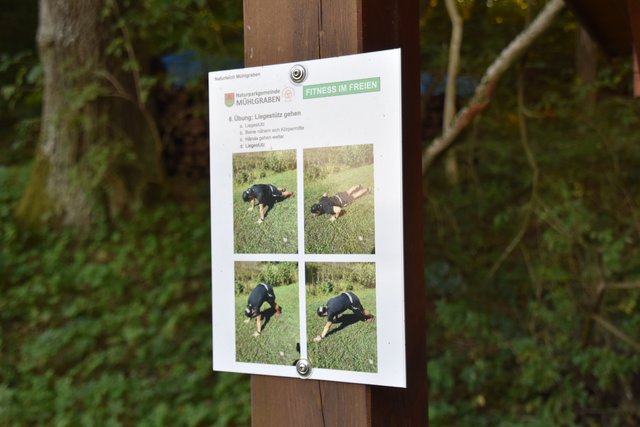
[
  {"x": 298, "y": 73},
  {"x": 303, "y": 367}
]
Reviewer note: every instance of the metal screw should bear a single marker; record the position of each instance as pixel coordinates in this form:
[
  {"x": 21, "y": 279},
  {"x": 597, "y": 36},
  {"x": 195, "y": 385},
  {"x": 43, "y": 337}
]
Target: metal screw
[
  {"x": 303, "y": 367},
  {"x": 298, "y": 73}
]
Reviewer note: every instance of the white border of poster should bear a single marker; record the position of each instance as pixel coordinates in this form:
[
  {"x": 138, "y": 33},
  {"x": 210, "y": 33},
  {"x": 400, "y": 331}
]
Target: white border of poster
[{"x": 345, "y": 101}]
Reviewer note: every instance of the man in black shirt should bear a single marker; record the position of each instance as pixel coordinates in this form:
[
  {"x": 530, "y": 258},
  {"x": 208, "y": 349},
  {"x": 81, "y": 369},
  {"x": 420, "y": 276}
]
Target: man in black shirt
[
  {"x": 266, "y": 195},
  {"x": 335, "y": 205},
  {"x": 260, "y": 294},
  {"x": 337, "y": 305}
]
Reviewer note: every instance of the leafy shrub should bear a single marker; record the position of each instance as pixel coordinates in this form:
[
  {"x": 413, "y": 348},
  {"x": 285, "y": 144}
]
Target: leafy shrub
[
  {"x": 322, "y": 162},
  {"x": 326, "y": 287},
  {"x": 544, "y": 333},
  {"x": 239, "y": 287},
  {"x": 363, "y": 276},
  {"x": 279, "y": 273},
  {"x": 113, "y": 328},
  {"x": 249, "y": 168}
]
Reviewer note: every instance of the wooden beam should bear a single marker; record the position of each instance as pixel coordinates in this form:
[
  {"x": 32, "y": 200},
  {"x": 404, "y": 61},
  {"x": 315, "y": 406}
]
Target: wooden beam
[
  {"x": 277, "y": 401},
  {"x": 606, "y": 22},
  {"x": 634, "y": 23},
  {"x": 294, "y": 30}
]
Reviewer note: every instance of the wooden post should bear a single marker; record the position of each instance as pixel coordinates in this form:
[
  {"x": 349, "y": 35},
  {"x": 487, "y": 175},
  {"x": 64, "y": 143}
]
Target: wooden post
[
  {"x": 634, "y": 24},
  {"x": 279, "y": 31}
]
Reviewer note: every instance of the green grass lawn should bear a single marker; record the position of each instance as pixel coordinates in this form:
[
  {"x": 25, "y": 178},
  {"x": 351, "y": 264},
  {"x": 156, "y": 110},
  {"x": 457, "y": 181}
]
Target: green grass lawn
[
  {"x": 277, "y": 343},
  {"x": 352, "y": 233},
  {"x": 352, "y": 348},
  {"x": 279, "y": 232}
]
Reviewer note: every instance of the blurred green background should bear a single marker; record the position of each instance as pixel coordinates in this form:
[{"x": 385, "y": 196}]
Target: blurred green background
[{"x": 531, "y": 252}]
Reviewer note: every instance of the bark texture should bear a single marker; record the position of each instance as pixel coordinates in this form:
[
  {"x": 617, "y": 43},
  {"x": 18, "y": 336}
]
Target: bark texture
[{"x": 69, "y": 47}]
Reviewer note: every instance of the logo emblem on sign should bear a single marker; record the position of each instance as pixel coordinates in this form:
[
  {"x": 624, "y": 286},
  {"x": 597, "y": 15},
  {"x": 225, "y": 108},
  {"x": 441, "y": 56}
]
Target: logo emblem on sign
[
  {"x": 288, "y": 93},
  {"x": 229, "y": 99}
]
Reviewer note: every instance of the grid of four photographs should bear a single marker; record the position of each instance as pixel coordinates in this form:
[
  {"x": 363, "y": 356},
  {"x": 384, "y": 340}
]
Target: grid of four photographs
[{"x": 339, "y": 296}]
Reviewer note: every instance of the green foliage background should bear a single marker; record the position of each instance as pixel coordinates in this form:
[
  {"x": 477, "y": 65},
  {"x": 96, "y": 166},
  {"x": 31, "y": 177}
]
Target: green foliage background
[
  {"x": 248, "y": 274},
  {"x": 326, "y": 278},
  {"x": 546, "y": 315},
  {"x": 112, "y": 328},
  {"x": 321, "y": 163},
  {"x": 250, "y": 168},
  {"x": 532, "y": 272},
  {"x": 527, "y": 326}
]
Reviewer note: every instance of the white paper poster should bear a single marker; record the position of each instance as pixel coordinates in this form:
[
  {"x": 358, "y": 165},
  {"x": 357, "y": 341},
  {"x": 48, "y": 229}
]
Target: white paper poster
[{"x": 306, "y": 214}]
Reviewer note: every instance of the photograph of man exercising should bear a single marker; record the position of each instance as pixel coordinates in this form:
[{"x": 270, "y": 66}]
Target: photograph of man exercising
[
  {"x": 261, "y": 294},
  {"x": 335, "y": 205},
  {"x": 336, "y": 306},
  {"x": 266, "y": 195}
]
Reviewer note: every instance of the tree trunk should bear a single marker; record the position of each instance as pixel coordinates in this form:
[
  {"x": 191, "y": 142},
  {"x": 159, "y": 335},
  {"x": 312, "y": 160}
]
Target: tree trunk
[
  {"x": 86, "y": 165},
  {"x": 587, "y": 67}
]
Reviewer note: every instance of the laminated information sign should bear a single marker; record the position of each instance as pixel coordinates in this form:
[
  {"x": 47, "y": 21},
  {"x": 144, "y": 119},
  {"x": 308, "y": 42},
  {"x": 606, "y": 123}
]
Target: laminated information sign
[{"x": 306, "y": 216}]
